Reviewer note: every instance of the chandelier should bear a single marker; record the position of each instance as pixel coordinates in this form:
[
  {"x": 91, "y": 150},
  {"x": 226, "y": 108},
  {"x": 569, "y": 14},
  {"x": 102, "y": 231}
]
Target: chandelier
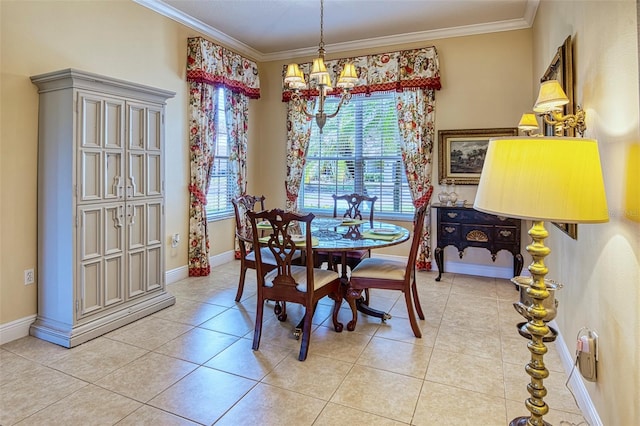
[{"x": 295, "y": 81}]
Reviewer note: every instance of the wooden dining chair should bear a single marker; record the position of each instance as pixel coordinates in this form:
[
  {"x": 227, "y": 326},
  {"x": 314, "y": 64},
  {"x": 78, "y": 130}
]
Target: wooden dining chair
[
  {"x": 288, "y": 282},
  {"x": 389, "y": 274},
  {"x": 354, "y": 210},
  {"x": 242, "y": 205}
]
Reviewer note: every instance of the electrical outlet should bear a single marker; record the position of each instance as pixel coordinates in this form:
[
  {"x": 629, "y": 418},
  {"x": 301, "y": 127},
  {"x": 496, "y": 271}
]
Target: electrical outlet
[
  {"x": 29, "y": 276},
  {"x": 588, "y": 355},
  {"x": 175, "y": 239}
]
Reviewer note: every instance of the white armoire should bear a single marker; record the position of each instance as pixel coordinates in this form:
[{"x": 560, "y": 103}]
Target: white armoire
[{"x": 100, "y": 205}]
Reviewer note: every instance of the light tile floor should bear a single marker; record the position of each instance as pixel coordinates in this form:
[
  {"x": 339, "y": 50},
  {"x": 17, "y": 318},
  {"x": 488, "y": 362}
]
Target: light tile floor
[{"x": 192, "y": 363}]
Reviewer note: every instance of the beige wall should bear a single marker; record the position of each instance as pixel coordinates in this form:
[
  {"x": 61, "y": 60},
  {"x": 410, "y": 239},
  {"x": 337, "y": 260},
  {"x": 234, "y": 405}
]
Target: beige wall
[
  {"x": 600, "y": 271},
  {"x": 119, "y": 39}
]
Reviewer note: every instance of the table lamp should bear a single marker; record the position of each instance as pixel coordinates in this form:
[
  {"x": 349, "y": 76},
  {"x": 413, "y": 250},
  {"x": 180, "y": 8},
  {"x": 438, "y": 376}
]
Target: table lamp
[{"x": 541, "y": 179}]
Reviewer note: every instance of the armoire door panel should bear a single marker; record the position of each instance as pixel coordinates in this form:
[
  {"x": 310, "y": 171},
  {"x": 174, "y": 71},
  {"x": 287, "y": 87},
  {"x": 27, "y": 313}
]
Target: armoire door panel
[
  {"x": 113, "y": 280},
  {"x": 154, "y": 175},
  {"x": 114, "y": 227},
  {"x": 137, "y": 224},
  {"x": 89, "y": 121},
  {"x": 113, "y": 177},
  {"x": 90, "y": 175},
  {"x": 136, "y": 122},
  {"x": 90, "y": 232},
  {"x": 136, "y": 169},
  {"x": 90, "y": 288},
  {"x": 136, "y": 276},
  {"x": 154, "y": 268},
  {"x": 113, "y": 127},
  {"x": 154, "y": 222},
  {"x": 154, "y": 129}
]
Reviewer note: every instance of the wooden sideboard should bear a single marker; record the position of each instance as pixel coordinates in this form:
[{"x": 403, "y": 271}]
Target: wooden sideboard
[{"x": 464, "y": 227}]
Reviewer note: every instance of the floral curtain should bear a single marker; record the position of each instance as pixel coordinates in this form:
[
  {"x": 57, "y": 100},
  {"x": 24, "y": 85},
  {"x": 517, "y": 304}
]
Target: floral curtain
[
  {"x": 298, "y": 135},
  {"x": 237, "y": 117},
  {"x": 202, "y": 110},
  {"x": 415, "y": 76},
  {"x": 210, "y": 66},
  {"x": 416, "y": 115}
]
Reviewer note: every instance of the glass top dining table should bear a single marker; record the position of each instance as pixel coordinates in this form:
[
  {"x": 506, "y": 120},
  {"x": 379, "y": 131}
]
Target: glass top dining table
[{"x": 336, "y": 235}]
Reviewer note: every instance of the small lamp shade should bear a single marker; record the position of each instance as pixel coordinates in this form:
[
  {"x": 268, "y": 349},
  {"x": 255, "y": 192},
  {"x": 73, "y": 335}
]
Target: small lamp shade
[
  {"x": 543, "y": 178},
  {"x": 348, "y": 77},
  {"x": 318, "y": 69},
  {"x": 294, "y": 78},
  {"x": 550, "y": 97},
  {"x": 528, "y": 121}
]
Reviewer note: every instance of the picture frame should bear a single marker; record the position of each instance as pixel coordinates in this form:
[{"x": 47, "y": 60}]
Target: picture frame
[
  {"x": 461, "y": 153},
  {"x": 561, "y": 69}
]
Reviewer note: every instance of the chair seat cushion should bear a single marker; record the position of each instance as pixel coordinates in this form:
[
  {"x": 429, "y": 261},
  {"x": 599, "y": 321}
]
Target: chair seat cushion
[
  {"x": 321, "y": 277},
  {"x": 267, "y": 256},
  {"x": 380, "y": 268}
]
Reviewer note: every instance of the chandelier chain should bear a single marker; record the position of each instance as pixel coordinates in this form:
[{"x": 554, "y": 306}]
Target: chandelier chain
[{"x": 322, "y": 25}]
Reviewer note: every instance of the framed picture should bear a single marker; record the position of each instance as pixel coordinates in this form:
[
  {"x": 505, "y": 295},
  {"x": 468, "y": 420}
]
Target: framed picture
[
  {"x": 561, "y": 69},
  {"x": 461, "y": 153}
]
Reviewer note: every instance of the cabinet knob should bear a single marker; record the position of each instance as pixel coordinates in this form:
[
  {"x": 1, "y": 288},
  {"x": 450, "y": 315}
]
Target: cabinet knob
[{"x": 452, "y": 214}]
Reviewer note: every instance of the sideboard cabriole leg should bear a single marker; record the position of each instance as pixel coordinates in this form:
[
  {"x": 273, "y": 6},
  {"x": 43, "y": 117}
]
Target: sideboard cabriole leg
[{"x": 438, "y": 254}]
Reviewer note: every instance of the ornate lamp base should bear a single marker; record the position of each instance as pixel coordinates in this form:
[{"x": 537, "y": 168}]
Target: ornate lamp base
[
  {"x": 522, "y": 421},
  {"x": 549, "y": 337}
]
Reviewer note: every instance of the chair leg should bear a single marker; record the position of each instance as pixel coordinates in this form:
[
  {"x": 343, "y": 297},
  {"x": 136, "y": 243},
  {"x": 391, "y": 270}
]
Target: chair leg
[
  {"x": 243, "y": 274},
  {"x": 258, "y": 329},
  {"x": 337, "y": 297},
  {"x": 306, "y": 334},
  {"x": 416, "y": 299},
  {"x": 352, "y": 295},
  {"x": 412, "y": 315}
]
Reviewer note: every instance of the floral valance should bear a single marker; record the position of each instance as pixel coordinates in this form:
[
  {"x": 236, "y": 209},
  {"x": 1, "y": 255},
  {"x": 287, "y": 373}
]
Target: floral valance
[
  {"x": 210, "y": 63},
  {"x": 383, "y": 72}
]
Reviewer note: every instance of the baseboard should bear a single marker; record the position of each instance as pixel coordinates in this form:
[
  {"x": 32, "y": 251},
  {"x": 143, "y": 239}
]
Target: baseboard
[
  {"x": 177, "y": 274},
  {"x": 15, "y": 329},
  {"x": 222, "y": 258},
  {"x": 576, "y": 383},
  {"x": 475, "y": 269},
  {"x": 182, "y": 272}
]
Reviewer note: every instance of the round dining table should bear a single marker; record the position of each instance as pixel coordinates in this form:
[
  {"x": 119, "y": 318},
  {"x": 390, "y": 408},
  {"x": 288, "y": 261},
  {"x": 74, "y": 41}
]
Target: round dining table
[{"x": 340, "y": 236}]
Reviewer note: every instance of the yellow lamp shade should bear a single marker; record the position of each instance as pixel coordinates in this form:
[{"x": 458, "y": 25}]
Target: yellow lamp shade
[
  {"x": 294, "y": 78},
  {"x": 348, "y": 77},
  {"x": 550, "y": 97},
  {"x": 543, "y": 178},
  {"x": 528, "y": 121},
  {"x": 318, "y": 69}
]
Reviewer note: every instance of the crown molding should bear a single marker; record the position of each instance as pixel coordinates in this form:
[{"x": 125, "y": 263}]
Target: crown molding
[
  {"x": 492, "y": 27},
  {"x": 178, "y": 16},
  {"x": 377, "y": 42}
]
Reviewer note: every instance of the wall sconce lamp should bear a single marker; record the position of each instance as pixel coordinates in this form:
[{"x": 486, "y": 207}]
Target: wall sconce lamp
[
  {"x": 528, "y": 123},
  {"x": 551, "y": 99}
]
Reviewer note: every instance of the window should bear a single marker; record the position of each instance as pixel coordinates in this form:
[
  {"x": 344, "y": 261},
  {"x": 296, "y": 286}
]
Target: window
[
  {"x": 221, "y": 186},
  {"x": 358, "y": 151}
]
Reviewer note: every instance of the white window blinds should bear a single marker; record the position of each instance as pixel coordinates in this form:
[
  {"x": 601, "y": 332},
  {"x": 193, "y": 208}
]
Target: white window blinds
[{"x": 358, "y": 151}]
